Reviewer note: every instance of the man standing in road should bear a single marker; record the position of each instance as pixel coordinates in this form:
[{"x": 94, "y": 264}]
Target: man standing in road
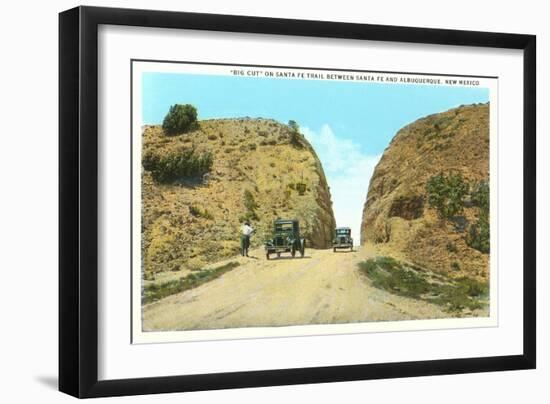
[{"x": 246, "y": 232}]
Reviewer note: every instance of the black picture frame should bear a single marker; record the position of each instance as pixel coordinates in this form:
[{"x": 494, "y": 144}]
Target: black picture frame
[{"x": 78, "y": 201}]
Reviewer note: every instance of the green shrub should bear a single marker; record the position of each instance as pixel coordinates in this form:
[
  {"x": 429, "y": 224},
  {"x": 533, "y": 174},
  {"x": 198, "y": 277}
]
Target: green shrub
[
  {"x": 157, "y": 291},
  {"x": 250, "y": 205},
  {"x": 293, "y": 125},
  {"x": 301, "y": 188},
  {"x": 405, "y": 279},
  {"x": 168, "y": 168},
  {"x": 480, "y": 197},
  {"x": 391, "y": 275},
  {"x": 446, "y": 194},
  {"x": 472, "y": 287},
  {"x": 479, "y": 235},
  {"x": 179, "y": 119},
  {"x": 249, "y": 201},
  {"x": 295, "y": 136}
]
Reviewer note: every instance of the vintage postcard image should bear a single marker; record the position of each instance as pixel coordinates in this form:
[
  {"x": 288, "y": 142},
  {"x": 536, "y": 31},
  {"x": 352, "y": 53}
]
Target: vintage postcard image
[{"x": 278, "y": 201}]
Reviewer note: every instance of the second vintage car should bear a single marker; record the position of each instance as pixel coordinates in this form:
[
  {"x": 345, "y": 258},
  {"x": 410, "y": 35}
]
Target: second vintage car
[{"x": 342, "y": 239}]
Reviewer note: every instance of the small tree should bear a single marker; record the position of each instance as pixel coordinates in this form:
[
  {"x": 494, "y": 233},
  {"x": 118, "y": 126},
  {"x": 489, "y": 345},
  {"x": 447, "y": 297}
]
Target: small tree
[
  {"x": 179, "y": 119},
  {"x": 294, "y": 133}
]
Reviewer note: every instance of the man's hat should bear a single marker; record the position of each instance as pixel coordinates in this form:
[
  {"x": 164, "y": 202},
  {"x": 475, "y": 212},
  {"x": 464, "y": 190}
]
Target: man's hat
[{"x": 247, "y": 223}]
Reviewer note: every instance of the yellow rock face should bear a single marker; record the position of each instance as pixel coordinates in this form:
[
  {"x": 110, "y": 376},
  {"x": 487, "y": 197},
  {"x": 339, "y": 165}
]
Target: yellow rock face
[
  {"x": 195, "y": 221},
  {"x": 397, "y": 215}
]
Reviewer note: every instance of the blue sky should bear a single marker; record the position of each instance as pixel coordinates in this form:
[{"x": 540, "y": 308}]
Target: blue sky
[{"x": 349, "y": 123}]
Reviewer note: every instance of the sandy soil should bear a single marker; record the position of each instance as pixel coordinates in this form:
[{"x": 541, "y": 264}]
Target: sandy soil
[{"x": 322, "y": 288}]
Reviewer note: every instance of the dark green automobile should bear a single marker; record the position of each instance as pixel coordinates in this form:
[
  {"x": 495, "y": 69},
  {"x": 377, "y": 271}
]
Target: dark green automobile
[
  {"x": 342, "y": 239},
  {"x": 286, "y": 238}
]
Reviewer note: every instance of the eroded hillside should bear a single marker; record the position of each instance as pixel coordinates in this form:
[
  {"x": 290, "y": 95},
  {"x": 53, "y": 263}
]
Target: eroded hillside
[
  {"x": 441, "y": 226},
  {"x": 258, "y": 168}
]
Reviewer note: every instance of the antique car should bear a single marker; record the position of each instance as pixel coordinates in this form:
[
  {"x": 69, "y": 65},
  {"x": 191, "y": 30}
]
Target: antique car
[
  {"x": 286, "y": 238},
  {"x": 342, "y": 239}
]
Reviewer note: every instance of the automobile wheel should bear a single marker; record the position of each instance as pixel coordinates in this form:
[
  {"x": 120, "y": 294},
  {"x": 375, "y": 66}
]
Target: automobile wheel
[{"x": 267, "y": 255}]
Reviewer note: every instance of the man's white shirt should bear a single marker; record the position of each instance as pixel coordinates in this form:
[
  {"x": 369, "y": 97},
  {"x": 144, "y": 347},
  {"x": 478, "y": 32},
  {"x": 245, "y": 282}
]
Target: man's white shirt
[{"x": 246, "y": 230}]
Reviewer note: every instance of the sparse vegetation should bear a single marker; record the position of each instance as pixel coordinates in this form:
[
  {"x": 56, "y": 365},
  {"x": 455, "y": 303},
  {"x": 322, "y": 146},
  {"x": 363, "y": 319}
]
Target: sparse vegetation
[
  {"x": 405, "y": 279},
  {"x": 463, "y": 293},
  {"x": 179, "y": 119},
  {"x": 480, "y": 197},
  {"x": 168, "y": 168},
  {"x": 198, "y": 212},
  {"x": 446, "y": 194},
  {"x": 451, "y": 247},
  {"x": 157, "y": 291},
  {"x": 249, "y": 201},
  {"x": 479, "y": 235},
  {"x": 250, "y": 206},
  {"x": 195, "y": 264},
  {"x": 389, "y": 274},
  {"x": 183, "y": 219},
  {"x": 479, "y": 232}
]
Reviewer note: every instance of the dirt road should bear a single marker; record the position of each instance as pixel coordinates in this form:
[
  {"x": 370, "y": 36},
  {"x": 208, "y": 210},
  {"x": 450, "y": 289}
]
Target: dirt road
[{"x": 323, "y": 287}]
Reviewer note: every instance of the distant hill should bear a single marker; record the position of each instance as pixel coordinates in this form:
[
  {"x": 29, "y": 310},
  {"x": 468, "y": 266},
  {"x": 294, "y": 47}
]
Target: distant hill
[
  {"x": 258, "y": 166},
  {"x": 398, "y": 214}
]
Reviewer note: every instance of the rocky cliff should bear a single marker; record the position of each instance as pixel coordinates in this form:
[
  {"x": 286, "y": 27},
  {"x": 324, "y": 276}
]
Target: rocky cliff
[
  {"x": 438, "y": 227},
  {"x": 261, "y": 170}
]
